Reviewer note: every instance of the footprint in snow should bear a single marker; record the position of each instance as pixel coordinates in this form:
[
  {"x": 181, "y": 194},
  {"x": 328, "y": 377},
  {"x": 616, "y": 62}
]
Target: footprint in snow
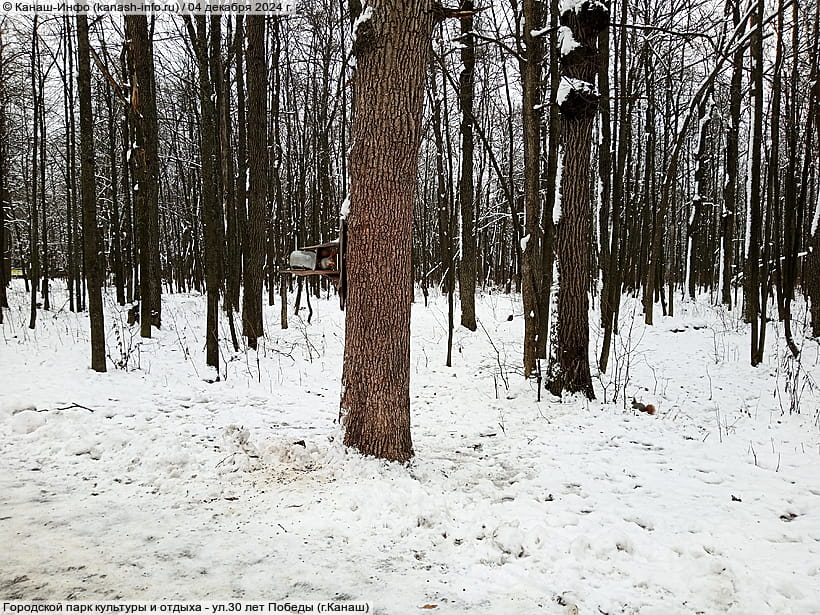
[{"x": 644, "y": 524}]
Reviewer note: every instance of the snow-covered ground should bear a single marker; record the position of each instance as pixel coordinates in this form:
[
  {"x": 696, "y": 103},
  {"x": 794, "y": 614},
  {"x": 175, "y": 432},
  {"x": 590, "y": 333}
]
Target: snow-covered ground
[{"x": 151, "y": 483}]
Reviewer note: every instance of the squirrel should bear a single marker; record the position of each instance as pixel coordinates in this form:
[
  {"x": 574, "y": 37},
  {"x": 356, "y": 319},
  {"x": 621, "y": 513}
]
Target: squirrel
[
  {"x": 648, "y": 408},
  {"x": 328, "y": 262}
]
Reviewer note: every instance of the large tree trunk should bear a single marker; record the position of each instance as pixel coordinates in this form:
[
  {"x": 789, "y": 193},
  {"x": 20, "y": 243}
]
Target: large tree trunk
[
  {"x": 87, "y": 172},
  {"x": 578, "y": 100},
  {"x": 254, "y": 244},
  {"x": 391, "y": 49}
]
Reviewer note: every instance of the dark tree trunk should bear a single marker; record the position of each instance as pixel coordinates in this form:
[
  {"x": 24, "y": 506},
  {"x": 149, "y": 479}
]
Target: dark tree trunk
[
  {"x": 751, "y": 286},
  {"x": 233, "y": 269},
  {"x": 241, "y": 158},
  {"x": 694, "y": 228},
  {"x": 466, "y": 88},
  {"x": 87, "y": 171},
  {"x": 68, "y": 116},
  {"x": 282, "y": 213},
  {"x": 34, "y": 264},
  {"x": 148, "y": 108},
  {"x": 44, "y": 269},
  {"x": 793, "y": 205},
  {"x": 569, "y": 361},
  {"x": 730, "y": 200},
  {"x": 142, "y": 116},
  {"x": 608, "y": 238},
  {"x": 531, "y": 275},
  {"x": 391, "y": 50},
  {"x": 254, "y": 244},
  {"x": 116, "y": 222},
  {"x": 811, "y": 277},
  {"x": 443, "y": 207},
  {"x": 209, "y": 197},
  {"x": 549, "y": 186}
]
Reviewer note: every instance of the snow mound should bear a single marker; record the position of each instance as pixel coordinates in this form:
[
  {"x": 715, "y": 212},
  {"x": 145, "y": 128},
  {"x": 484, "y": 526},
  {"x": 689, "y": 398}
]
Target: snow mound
[
  {"x": 15, "y": 406},
  {"x": 26, "y": 421}
]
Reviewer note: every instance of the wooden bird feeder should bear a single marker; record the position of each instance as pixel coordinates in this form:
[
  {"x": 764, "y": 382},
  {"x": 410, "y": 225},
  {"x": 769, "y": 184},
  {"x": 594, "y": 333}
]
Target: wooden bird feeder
[{"x": 325, "y": 259}]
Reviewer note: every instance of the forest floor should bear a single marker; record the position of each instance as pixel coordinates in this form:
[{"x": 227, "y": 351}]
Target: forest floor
[{"x": 150, "y": 483}]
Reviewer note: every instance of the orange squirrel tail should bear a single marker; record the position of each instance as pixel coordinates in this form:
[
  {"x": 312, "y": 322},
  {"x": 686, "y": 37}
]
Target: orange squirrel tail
[{"x": 650, "y": 409}]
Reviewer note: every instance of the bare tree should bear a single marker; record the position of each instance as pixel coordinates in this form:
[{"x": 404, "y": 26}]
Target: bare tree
[
  {"x": 87, "y": 171},
  {"x": 533, "y": 243},
  {"x": 752, "y": 282},
  {"x": 254, "y": 244},
  {"x": 34, "y": 234},
  {"x": 466, "y": 85},
  {"x": 211, "y": 205},
  {"x": 730, "y": 201},
  {"x": 142, "y": 116}
]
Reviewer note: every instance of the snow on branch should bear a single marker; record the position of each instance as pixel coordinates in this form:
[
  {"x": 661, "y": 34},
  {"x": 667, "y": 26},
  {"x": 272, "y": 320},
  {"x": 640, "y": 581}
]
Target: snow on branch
[
  {"x": 571, "y": 10},
  {"x": 577, "y": 97},
  {"x": 566, "y": 42},
  {"x": 362, "y": 19},
  {"x": 362, "y": 30}
]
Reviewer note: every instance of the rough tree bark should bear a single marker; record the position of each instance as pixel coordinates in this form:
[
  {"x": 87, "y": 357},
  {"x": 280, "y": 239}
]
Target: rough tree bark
[
  {"x": 391, "y": 47},
  {"x": 254, "y": 244},
  {"x": 87, "y": 173},
  {"x": 578, "y": 101}
]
